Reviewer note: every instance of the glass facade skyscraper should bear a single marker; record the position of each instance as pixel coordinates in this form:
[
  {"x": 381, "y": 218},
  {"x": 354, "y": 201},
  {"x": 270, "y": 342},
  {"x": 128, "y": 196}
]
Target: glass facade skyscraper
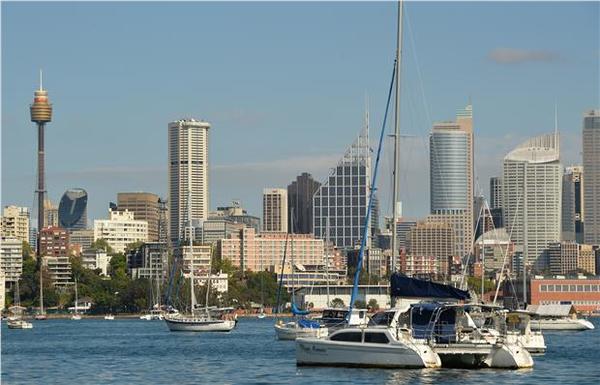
[
  {"x": 343, "y": 197},
  {"x": 591, "y": 177},
  {"x": 451, "y": 177},
  {"x": 72, "y": 209}
]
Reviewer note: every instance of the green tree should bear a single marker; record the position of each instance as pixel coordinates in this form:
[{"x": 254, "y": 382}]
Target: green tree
[
  {"x": 360, "y": 304},
  {"x": 28, "y": 252},
  {"x": 373, "y": 305},
  {"x": 338, "y": 303},
  {"x": 102, "y": 244}
]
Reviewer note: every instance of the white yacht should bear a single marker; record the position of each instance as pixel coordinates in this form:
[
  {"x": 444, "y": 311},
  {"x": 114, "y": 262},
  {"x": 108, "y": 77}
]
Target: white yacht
[
  {"x": 557, "y": 317},
  {"x": 386, "y": 342},
  {"x": 199, "y": 323},
  {"x": 461, "y": 343},
  {"x": 18, "y": 323},
  {"x": 302, "y": 328}
]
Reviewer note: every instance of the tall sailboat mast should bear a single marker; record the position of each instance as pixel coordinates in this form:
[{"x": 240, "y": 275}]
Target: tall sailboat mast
[
  {"x": 394, "y": 243},
  {"x": 190, "y": 225}
]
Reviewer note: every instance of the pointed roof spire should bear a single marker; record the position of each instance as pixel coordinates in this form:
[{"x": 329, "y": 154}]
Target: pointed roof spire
[{"x": 41, "y": 80}]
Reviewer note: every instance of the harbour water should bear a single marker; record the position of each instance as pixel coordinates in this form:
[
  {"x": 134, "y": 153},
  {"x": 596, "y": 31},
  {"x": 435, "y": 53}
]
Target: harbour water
[{"x": 145, "y": 352}]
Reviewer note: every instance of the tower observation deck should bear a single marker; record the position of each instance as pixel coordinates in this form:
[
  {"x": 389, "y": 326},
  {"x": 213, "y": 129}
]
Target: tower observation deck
[{"x": 41, "y": 113}]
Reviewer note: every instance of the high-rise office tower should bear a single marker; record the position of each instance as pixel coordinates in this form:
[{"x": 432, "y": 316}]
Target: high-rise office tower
[
  {"x": 495, "y": 192},
  {"x": 532, "y": 177},
  {"x": 41, "y": 113},
  {"x": 275, "y": 210},
  {"x": 145, "y": 207},
  {"x": 451, "y": 178},
  {"x": 300, "y": 199},
  {"x": 572, "y": 204},
  {"x": 188, "y": 173},
  {"x": 343, "y": 197},
  {"x": 72, "y": 209},
  {"x": 591, "y": 177},
  {"x": 50, "y": 213}
]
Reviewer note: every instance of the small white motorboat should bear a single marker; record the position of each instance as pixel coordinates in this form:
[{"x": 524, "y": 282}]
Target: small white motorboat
[
  {"x": 557, "y": 317},
  {"x": 303, "y": 328},
  {"x": 109, "y": 317},
  {"x": 18, "y": 323}
]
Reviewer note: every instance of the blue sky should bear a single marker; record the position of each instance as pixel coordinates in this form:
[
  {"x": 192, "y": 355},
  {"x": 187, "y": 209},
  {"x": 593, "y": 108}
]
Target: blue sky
[{"x": 284, "y": 87}]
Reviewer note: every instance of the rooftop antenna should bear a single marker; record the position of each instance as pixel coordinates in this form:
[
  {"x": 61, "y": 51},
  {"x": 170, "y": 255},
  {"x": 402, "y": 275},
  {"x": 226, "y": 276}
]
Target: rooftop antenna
[{"x": 41, "y": 80}]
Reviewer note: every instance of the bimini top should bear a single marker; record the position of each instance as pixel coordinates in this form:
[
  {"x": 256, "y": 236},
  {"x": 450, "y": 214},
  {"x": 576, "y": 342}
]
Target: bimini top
[{"x": 403, "y": 286}]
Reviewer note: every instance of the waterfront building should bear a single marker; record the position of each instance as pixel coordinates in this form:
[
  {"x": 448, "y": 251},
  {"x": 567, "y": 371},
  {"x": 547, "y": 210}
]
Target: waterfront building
[
  {"x": 237, "y": 214},
  {"x": 148, "y": 261},
  {"x": 495, "y": 192},
  {"x": 15, "y": 222},
  {"x": 219, "y": 282},
  {"x": 50, "y": 213},
  {"x": 54, "y": 242},
  {"x": 591, "y": 177},
  {"x": 532, "y": 177},
  {"x": 258, "y": 252},
  {"x": 11, "y": 258},
  {"x": 310, "y": 275},
  {"x": 144, "y": 206},
  {"x": 72, "y": 209},
  {"x": 340, "y": 203},
  {"x": 96, "y": 260},
  {"x": 451, "y": 176},
  {"x": 120, "y": 230},
  {"x": 572, "y": 204},
  {"x": 581, "y": 292},
  {"x": 188, "y": 171},
  {"x": 59, "y": 269},
  {"x": 300, "y": 198},
  {"x": 430, "y": 250},
  {"x": 275, "y": 210},
  {"x": 317, "y": 295}
]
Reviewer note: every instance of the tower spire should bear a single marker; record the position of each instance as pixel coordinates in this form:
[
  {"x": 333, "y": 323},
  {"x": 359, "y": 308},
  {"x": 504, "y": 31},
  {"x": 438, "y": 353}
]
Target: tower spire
[{"x": 41, "y": 80}]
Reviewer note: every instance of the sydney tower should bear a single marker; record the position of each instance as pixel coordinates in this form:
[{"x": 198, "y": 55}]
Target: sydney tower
[{"x": 41, "y": 113}]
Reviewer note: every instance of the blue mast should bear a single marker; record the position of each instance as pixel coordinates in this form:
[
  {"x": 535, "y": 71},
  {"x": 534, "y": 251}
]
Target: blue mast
[{"x": 373, "y": 189}]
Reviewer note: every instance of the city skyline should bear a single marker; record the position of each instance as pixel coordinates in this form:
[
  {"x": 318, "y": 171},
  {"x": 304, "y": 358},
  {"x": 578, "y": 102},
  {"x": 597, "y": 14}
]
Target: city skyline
[{"x": 92, "y": 149}]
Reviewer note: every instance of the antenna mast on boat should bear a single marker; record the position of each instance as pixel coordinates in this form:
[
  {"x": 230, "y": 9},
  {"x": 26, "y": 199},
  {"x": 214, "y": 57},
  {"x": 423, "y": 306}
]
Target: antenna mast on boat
[{"x": 394, "y": 243}]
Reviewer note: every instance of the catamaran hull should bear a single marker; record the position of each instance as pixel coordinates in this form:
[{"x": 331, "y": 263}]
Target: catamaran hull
[
  {"x": 290, "y": 333},
  {"x": 323, "y": 352},
  {"x": 534, "y": 342},
  {"x": 562, "y": 324},
  {"x": 200, "y": 326},
  {"x": 499, "y": 356}
]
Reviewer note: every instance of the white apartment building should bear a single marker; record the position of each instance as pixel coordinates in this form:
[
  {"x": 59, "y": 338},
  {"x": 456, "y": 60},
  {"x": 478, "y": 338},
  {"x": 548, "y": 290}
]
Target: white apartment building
[
  {"x": 59, "y": 269},
  {"x": 15, "y": 222},
  {"x": 120, "y": 230},
  {"x": 96, "y": 259},
  {"x": 11, "y": 258},
  {"x": 196, "y": 258},
  {"x": 188, "y": 172},
  {"x": 532, "y": 186}
]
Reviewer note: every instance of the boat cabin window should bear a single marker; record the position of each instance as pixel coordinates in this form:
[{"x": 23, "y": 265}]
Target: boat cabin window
[
  {"x": 383, "y": 318},
  {"x": 376, "y": 338},
  {"x": 347, "y": 336}
]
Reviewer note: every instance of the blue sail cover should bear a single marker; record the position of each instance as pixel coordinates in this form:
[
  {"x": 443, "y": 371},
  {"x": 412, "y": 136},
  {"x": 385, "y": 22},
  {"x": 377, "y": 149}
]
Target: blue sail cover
[
  {"x": 297, "y": 311},
  {"x": 308, "y": 324},
  {"x": 403, "y": 286}
]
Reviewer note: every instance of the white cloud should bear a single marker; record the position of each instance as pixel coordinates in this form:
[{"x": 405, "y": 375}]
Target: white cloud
[{"x": 516, "y": 56}]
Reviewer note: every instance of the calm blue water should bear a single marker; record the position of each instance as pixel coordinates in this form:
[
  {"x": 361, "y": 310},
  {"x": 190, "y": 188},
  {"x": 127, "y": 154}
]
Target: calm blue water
[{"x": 145, "y": 352}]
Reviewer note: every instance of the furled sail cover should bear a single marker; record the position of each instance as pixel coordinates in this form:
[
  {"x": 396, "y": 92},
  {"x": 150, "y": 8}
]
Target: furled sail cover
[
  {"x": 403, "y": 286},
  {"x": 297, "y": 311}
]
